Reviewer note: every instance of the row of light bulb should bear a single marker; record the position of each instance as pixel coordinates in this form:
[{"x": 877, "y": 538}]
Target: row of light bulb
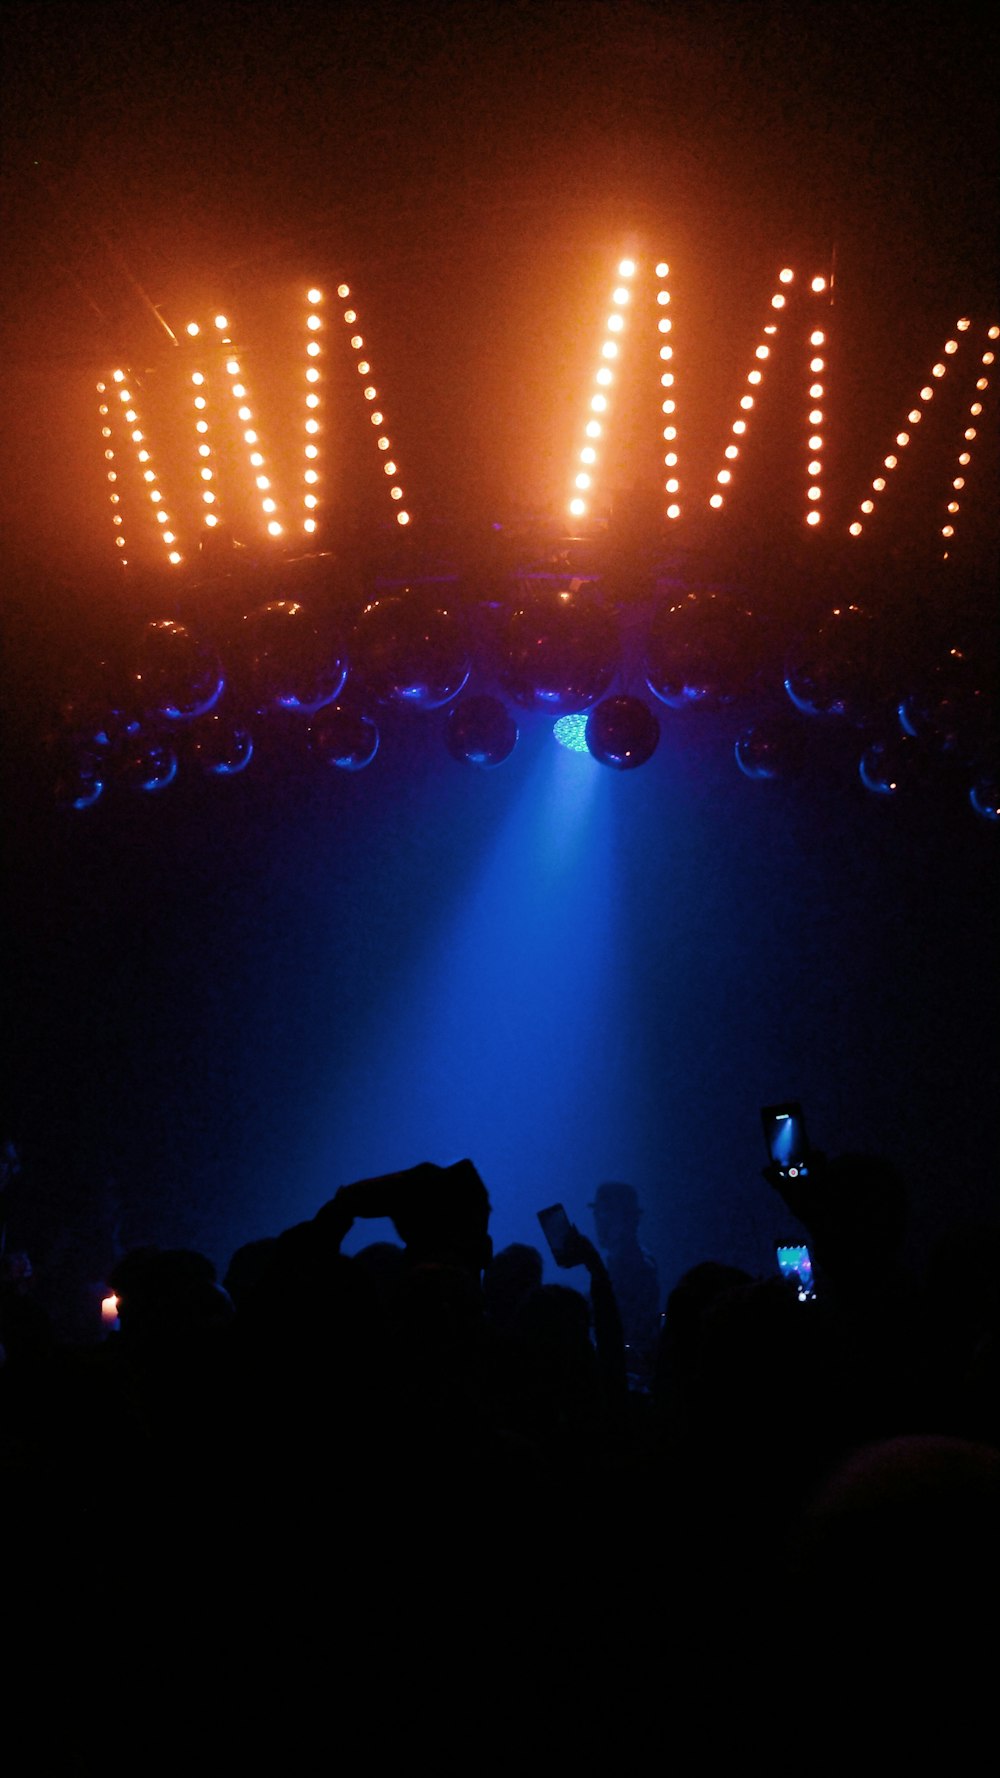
[
  {"x": 605, "y": 375},
  {"x": 915, "y": 415}
]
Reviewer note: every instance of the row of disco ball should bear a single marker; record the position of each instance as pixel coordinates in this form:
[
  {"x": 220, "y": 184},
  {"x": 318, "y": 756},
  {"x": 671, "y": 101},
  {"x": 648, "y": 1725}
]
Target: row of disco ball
[{"x": 174, "y": 702}]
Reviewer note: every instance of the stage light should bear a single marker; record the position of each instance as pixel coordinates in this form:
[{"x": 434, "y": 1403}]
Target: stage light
[{"x": 571, "y": 732}]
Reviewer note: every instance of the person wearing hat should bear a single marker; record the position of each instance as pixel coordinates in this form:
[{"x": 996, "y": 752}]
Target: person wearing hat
[{"x": 633, "y": 1272}]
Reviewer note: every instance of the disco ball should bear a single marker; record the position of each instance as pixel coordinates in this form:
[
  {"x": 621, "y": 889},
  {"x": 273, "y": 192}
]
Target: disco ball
[
  {"x": 702, "y": 648},
  {"x": 409, "y": 648},
  {"x": 292, "y": 661},
  {"x": 79, "y": 778},
  {"x": 838, "y": 668},
  {"x": 890, "y": 767},
  {"x": 769, "y": 750},
  {"x": 147, "y": 765},
  {"x": 174, "y": 675},
  {"x": 622, "y": 733},
  {"x": 953, "y": 704},
  {"x": 344, "y": 737},
  {"x": 559, "y": 653},
  {"x": 480, "y": 731},
  {"x": 984, "y": 791},
  {"x": 221, "y": 746}
]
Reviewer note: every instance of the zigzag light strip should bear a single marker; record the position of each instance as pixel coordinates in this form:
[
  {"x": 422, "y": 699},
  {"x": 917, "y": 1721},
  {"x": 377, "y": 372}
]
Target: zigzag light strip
[
  {"x": 969, "y": 435},
  {"x": 376, "y": 416},
  {"x": 604, "y": 377},
  {"x": 668, "y": 405},
  {"x": 891, "y": 462},
  {"x": 754, "y": 379},
  {"x": 128, "y": 414}
]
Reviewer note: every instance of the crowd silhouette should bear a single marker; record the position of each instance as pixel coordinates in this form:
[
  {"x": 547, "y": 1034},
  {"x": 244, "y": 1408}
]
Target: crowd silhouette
[{"x": 489, "y": 1498}]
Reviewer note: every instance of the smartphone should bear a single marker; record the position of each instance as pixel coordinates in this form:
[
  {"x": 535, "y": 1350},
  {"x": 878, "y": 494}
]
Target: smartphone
[
  {"x": 785, "y": 1136},
  {"x": 795, "y": 1264},
  {"x": 557, "y": 1228}
]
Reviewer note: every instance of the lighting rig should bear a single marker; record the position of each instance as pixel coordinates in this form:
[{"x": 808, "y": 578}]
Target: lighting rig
[{"x": 251, "y": 617}]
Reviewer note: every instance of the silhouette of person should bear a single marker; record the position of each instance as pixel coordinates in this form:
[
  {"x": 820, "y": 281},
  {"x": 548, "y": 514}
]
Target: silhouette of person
[{"x": 633, "y": 1272}]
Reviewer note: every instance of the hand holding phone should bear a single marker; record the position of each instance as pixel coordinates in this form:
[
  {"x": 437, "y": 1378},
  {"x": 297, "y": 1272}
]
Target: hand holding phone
[
  {"x": 795, "y": 1264},
  {"x": 559, "y": 1233},
  {"x": 785, "y": 1137}
]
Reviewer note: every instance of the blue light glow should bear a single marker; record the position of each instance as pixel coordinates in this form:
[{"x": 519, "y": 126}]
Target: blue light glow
[{"x": 571, "y": 732}]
